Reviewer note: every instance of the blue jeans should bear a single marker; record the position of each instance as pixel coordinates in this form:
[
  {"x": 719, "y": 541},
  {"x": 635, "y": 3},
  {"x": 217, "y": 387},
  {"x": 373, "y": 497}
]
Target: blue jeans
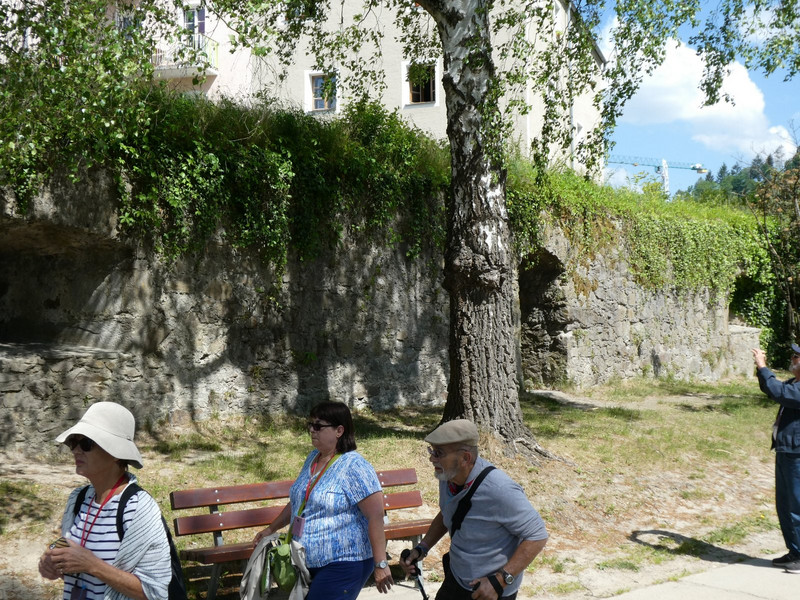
[
  {"x": 339, "y": 580},
  {"x": 787, "y": 498}
]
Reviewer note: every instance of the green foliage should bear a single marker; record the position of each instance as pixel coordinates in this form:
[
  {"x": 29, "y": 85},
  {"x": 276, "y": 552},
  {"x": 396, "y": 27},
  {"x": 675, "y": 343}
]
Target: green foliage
[
  {"x": 70, "y": 85},
  {"x": 194, "y": 169},
  {"x": 767, "y": 293},
  {"x": 762, "y": 34},
  {"x": 678, "y": 244},
  {"x": 734, "y": 186},
  {"x": 774, "y": 202}
]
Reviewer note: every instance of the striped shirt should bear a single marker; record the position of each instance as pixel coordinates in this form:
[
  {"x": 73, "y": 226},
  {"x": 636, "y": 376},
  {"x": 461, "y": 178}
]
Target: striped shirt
[
  {"x": 100, "y": 536},
  {"x": 335, "y": 528},
  {"x": 143, "y": 551}
]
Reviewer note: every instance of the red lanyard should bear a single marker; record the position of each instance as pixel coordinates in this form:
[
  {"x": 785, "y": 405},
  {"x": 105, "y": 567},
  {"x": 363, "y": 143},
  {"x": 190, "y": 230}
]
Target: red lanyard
[
  {"x": 86, "y": 532},
  {"x": 312, "y": 481}
]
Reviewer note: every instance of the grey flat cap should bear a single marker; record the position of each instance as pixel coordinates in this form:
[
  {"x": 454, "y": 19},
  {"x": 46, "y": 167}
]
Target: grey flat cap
[{"x": 458, "y": 431}]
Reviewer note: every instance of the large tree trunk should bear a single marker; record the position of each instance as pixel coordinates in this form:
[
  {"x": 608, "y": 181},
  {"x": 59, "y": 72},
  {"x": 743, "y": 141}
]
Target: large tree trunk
[{"x": 479, "y": 262}]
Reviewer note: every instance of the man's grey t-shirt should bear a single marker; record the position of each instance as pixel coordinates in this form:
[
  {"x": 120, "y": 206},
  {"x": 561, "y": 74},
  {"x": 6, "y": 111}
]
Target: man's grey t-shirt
[{"x": 501, "y": 517}]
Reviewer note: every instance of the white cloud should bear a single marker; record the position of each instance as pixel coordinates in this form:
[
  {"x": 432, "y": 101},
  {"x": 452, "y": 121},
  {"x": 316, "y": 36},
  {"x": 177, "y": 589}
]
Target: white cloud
[
  {"x": 616, "y": 177},
  {"x": 672, "y": 95},
  {"x": 632, "y": 178}
]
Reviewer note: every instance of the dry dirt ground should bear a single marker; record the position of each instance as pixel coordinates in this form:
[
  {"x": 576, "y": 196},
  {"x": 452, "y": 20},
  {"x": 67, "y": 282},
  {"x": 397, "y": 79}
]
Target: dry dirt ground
[{"x": 628, "y": 534}]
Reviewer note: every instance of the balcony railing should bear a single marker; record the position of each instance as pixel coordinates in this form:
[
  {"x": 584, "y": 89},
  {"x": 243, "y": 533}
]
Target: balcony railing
[{"x": 192, "y": 51}]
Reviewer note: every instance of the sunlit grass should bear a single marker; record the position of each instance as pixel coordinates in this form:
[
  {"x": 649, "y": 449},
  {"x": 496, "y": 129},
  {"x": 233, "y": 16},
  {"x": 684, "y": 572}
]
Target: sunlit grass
[
  {"x": 715, "y": 423},
  {"x": 617, "y": 441}
]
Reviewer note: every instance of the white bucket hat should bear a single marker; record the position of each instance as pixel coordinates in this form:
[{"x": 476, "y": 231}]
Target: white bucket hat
[{"x": 111, "y": 426}]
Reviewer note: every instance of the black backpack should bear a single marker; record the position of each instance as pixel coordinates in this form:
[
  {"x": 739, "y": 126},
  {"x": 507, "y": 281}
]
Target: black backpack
[{"x": 177, "y": 585}]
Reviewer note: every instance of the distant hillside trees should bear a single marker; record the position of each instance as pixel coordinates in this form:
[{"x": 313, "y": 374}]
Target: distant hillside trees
[{"x": 737, "y": 184}]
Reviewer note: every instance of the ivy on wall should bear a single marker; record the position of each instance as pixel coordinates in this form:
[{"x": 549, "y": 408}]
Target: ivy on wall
[
  {"x": 679, "y": 245},
  {"x": 676, "y": 244},
  {"x": 273, "y": 179}
]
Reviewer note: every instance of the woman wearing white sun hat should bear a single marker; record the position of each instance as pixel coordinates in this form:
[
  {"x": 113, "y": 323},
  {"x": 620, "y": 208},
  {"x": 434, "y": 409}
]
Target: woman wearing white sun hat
[{"x": 90, "y": 557}]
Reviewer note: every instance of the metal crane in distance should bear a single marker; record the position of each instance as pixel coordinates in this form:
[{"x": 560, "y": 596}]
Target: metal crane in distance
[{"x": 661, "y": 166}]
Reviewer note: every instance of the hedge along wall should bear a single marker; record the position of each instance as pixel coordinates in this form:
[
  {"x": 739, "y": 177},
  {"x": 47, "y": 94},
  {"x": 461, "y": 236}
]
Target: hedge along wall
[{"x": 86, "y": 315}]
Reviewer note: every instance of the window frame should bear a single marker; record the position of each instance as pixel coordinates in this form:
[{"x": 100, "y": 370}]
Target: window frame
[
  {"x": 331, "y": 105},
  {"x": 408, "y": 89}
]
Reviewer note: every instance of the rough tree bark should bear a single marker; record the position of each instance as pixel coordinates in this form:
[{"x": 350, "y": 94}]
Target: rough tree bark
[{"x": 479, "y": 257}]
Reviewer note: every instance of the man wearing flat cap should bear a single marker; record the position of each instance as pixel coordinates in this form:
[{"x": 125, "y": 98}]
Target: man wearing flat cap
[
  {"x": 786, "y": 443},
  {"x": 495, "y": 533}
]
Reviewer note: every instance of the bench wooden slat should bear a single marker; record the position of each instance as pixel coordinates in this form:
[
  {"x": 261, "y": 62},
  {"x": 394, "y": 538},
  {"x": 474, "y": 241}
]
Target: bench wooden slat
[
  {"x": 406, "y": 529},
  {"x": 196, "y": 498},
  {"x": 234, "y": 552},
  {"x": 237, "y": 519},
  {"x": 218, "y": 554},
  {"x": 410, "y": 499},
  {"x": 397, "y": 477}
]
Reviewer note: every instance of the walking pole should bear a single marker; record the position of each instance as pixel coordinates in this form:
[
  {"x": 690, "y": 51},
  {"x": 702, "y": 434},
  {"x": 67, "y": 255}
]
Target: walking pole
[{"x": 418, "y": 578}]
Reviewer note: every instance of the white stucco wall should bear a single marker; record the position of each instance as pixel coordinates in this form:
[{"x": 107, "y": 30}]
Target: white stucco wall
[{"x": 239, "y": 75}]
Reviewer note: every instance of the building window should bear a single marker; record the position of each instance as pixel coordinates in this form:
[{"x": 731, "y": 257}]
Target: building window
[
  {"x": 323, "y": 92},
  {"x": 194, "y": 22},
  {"x": 127, "y": 21},
  {"x": 421, "y": 84}
]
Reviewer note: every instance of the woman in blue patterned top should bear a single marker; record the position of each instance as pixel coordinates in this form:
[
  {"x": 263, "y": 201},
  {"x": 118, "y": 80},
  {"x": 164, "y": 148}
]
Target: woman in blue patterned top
[{"x": 336, "y": 510}]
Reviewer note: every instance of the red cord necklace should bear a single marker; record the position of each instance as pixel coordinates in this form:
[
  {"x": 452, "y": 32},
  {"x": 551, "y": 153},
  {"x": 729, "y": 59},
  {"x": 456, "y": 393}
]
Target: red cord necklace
[{"x": 86, "y": 532}]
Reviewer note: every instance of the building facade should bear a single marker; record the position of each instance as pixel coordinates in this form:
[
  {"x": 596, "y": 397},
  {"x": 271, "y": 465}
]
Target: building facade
[{"x": 236, "y": 72}]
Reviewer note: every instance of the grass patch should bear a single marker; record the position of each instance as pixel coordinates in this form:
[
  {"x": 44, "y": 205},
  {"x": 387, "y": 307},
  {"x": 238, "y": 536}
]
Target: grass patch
[
  {"x": 567, "y": 587},
  {"x": 618, "y": 563},
  {"x": 729, "y": 425},
  {"x": 630, "y": 460},
  {"x": 177, "y": 449},
  {"x": 733, "y": 534},
  {"x": 23, "y": 502},
  {"x": 555, "y": 563}
]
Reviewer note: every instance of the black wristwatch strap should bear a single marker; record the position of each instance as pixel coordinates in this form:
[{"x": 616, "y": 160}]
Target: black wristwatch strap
[{"x": 495, "y": 584}]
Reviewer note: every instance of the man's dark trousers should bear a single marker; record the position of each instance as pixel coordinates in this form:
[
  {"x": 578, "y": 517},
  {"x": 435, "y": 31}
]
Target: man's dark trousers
[{"x": 787, "y": 498}]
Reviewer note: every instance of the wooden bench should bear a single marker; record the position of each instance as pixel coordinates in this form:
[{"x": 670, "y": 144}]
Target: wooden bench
[{"x": 217, "y": 520}]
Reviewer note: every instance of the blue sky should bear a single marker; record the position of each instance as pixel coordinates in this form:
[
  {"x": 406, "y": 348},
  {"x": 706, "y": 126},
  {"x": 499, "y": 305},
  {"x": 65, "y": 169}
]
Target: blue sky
[{"x": 666, "y": 120}]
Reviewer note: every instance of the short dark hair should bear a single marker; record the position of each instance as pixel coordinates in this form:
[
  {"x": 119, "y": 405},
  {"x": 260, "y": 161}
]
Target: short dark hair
[{"x": 337, "y": 413}]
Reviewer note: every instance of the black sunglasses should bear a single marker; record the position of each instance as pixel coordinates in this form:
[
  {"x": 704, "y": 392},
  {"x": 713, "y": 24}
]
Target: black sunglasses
[
  {"x": 85, "y": 443},
  {"x": 316, "y": 425}
]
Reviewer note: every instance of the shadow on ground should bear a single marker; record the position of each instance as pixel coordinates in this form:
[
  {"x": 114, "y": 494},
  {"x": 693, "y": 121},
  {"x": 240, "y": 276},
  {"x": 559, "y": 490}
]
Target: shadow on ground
[{"x": 681, "y": 545}]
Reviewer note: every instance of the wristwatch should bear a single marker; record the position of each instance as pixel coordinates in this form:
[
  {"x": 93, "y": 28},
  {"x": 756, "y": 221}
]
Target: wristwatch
[
  {"x": 507, "y": 577},
  {"x": 381, "y": 565}
]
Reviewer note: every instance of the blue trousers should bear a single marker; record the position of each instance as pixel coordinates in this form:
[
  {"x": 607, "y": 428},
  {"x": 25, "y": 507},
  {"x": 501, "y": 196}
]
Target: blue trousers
[
  {"x": 787, "y": 498},
  {"x": 339, "y": 580}
]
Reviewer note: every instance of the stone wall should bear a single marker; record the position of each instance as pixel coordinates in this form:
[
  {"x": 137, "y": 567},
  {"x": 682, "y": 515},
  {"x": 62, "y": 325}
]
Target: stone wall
[
  {"x": 595, "y": 324},
  {"x": 86, "y": 315}
]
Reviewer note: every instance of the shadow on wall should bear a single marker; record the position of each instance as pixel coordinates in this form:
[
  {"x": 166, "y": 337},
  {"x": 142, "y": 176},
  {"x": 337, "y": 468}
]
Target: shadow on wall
[
  {"x": 49, "y": 282},
  {"x": 544, "y": 318},
  {"x": 86, "y": 318},
  {"x": 655, "y": 360}
]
